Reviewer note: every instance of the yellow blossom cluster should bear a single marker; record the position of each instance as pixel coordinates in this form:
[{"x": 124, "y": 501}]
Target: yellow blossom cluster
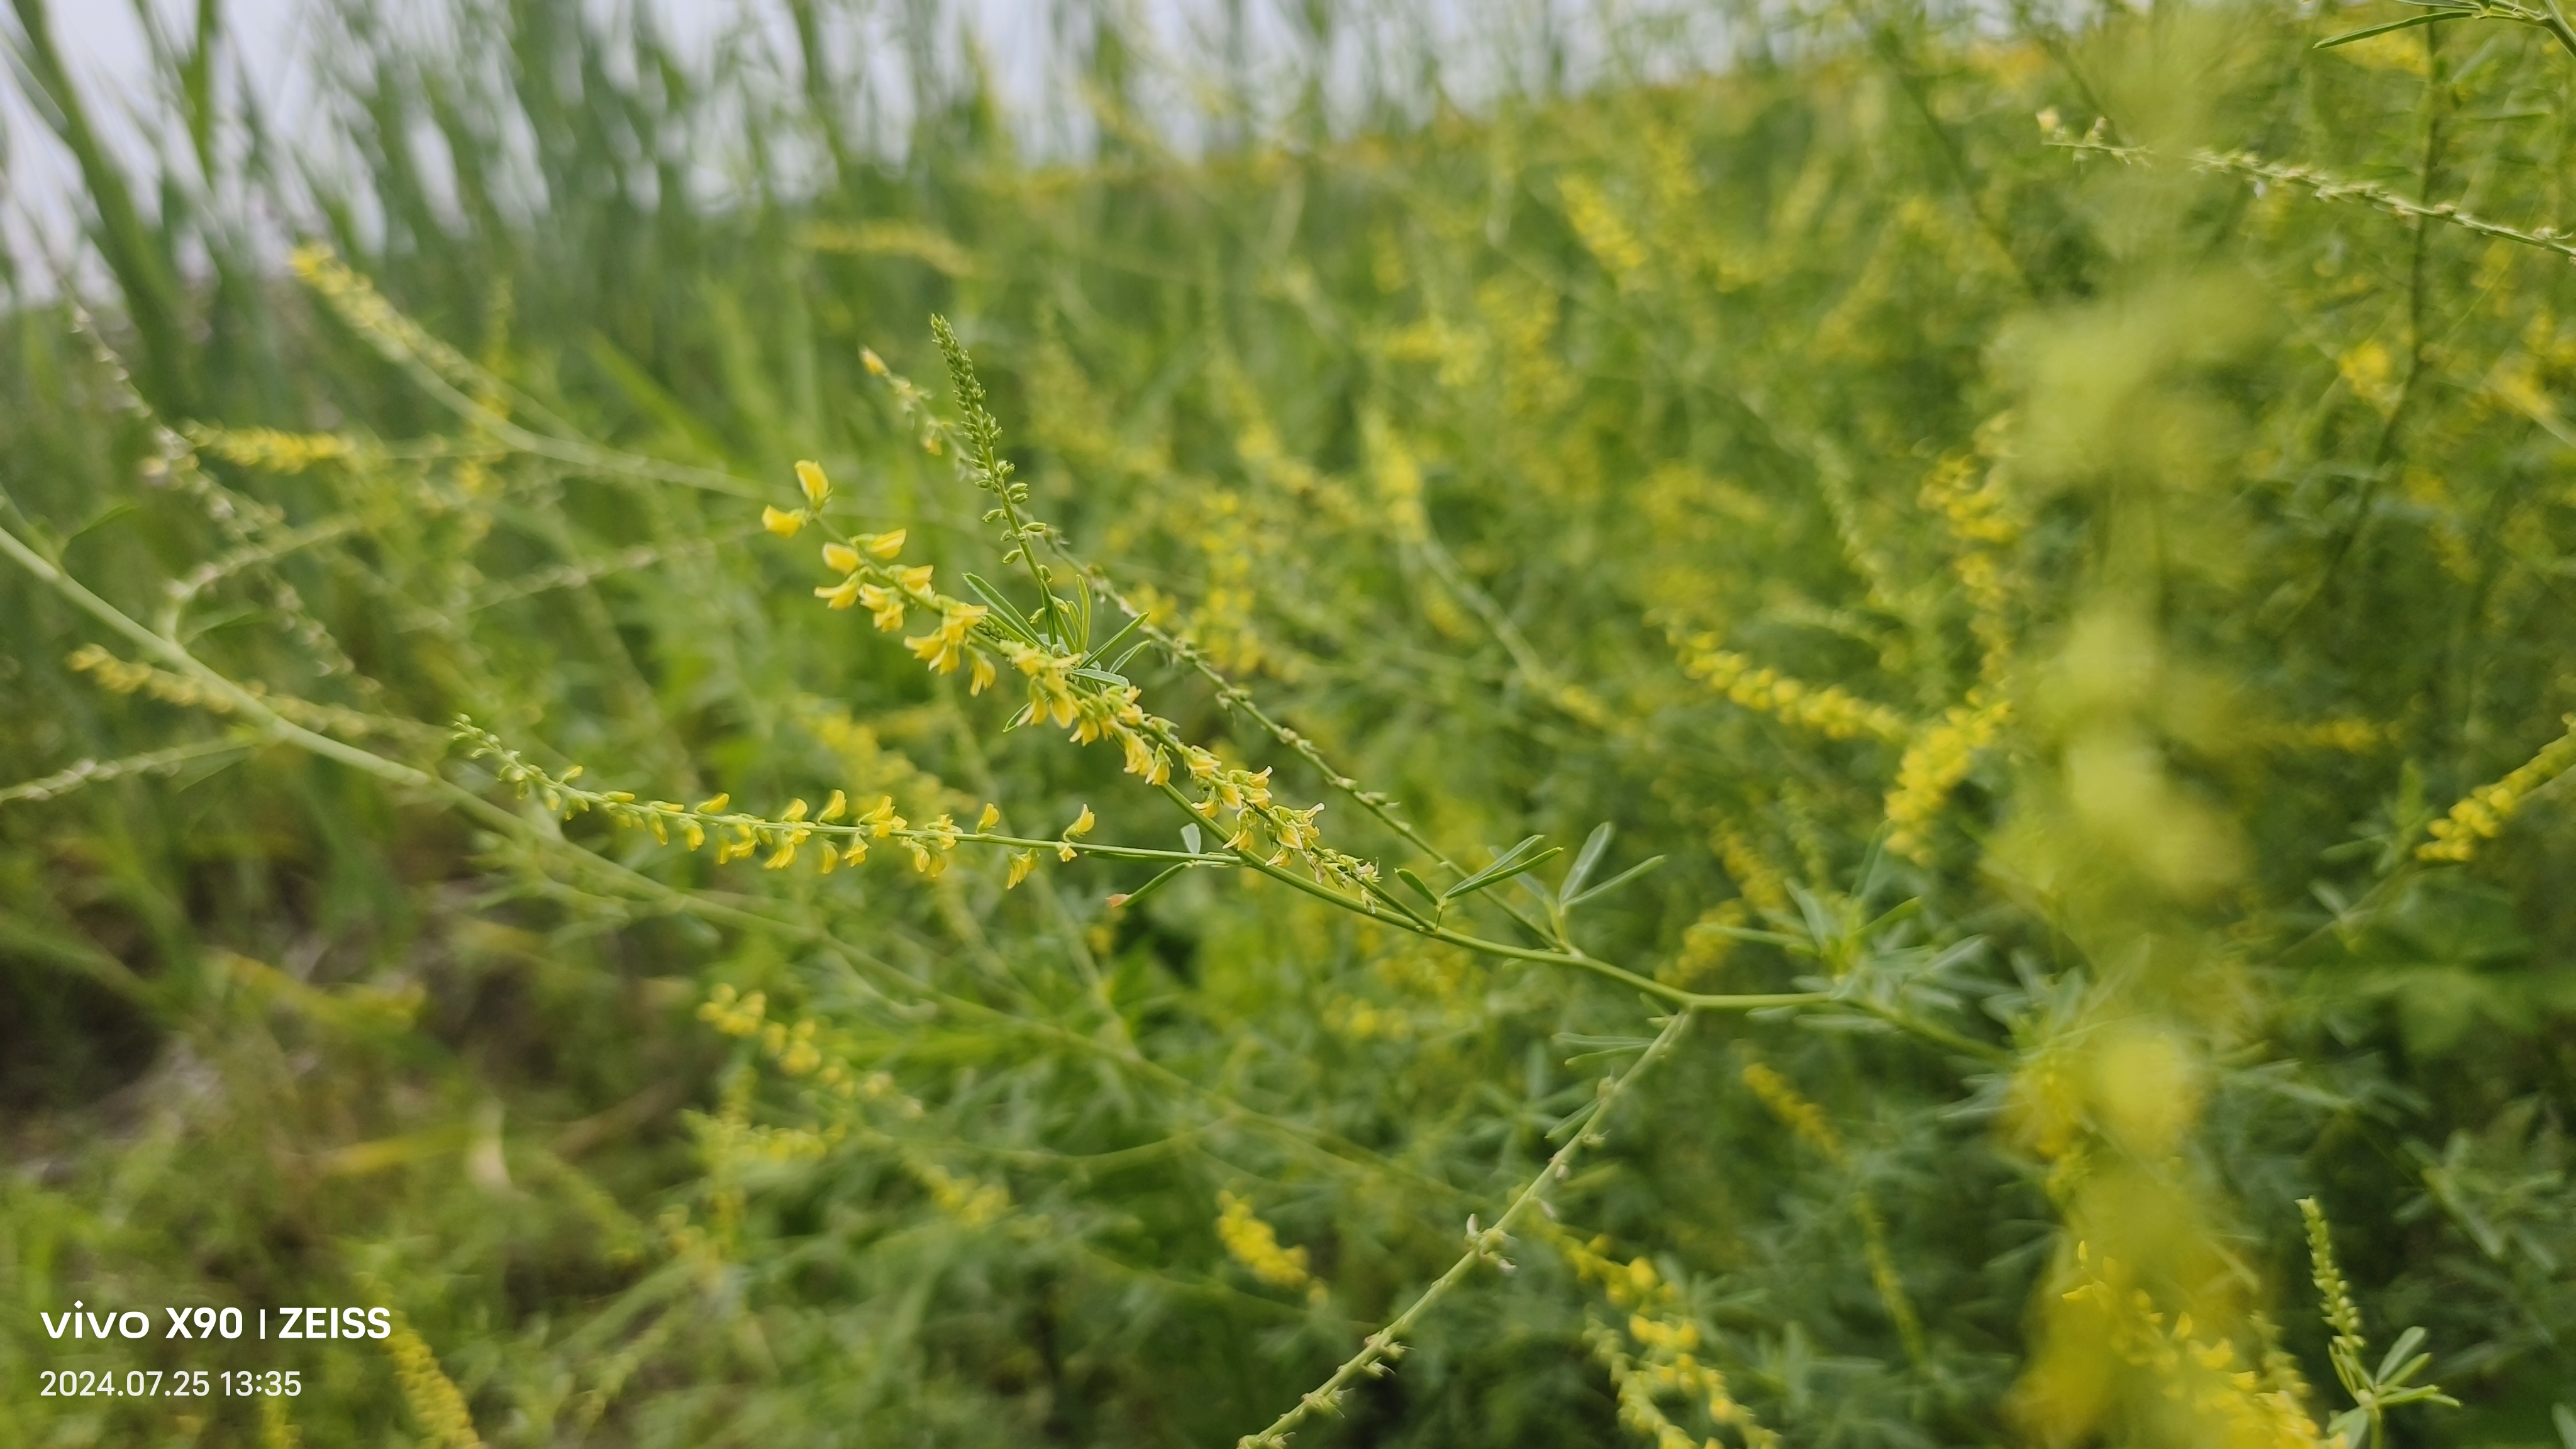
[
  {"x": 1762, "y": 884},
  {"x": 122, "y": 676},
  {"x": 835, "y": 833},
  {"x": 1066, "y": 689},
  {"x": 1972, "y": 504},
  {"x": 1656, "y": 1353},
  {"x": 1827, "y": 709},
  {"x": 365, "y": 310},
  {"x": 2483, "y": 813},
  {"x": 1604, "y": 231},
  {"x": 436, "y": 1404},
  {"x": 796, "y": 1047},
  {"x": 1934, "y": 763},
  {"x": 969, "y": 1200},
  {"x": 1707, "y": 942},
  {"x": 1250, "y": 1241},
  {"x": 2234, "y": 1404},
  {"x": 1794, "y": 1110},
  {"x": 271, "y": 450}
]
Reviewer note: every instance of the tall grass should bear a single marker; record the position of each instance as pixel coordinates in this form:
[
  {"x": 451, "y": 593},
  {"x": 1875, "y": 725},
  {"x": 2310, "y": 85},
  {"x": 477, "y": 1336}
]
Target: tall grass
[{"x": 2074, "y": 612}]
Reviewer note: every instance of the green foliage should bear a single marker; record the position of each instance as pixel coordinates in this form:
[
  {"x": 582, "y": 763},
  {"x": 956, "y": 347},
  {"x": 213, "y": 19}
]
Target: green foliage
[{"x": 2027, "y": 664}]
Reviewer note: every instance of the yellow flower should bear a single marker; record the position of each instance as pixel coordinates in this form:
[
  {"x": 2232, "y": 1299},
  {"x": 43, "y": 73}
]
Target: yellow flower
[
  {"x": 881, "y": 820},
  {"x": 2483, "y": 813},
  {"x": 781, "y": 522},
  {"x": 991, "y": 817},
  {"x": 936, "y": 650},
  {"x": 942, "y": 649},
  {"x": 1022, "y": 862},
  {"x": 840, "y": 558},
  {"x": 885, "y": 604},
  {"x": 841, "y": 595},
  {"x": 1253, "y": 1243},
  {"x": 809, "y": 476},
  {"x": 1081, "y": 826},
  {"x": 834, "y": 807},
  {"x": 914, "y": 580},
  {"x": 882, "y": 545},
  {"x": 1934, "y": 763}
]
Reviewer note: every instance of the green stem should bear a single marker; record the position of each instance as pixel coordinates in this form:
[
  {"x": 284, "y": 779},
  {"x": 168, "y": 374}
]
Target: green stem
[{"x": 1387, "y": 1342}]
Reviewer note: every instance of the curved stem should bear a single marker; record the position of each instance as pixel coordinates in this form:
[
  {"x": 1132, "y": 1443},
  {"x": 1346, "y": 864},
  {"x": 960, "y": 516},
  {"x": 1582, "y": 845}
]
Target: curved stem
[{"x": 1483, "y": 1245}]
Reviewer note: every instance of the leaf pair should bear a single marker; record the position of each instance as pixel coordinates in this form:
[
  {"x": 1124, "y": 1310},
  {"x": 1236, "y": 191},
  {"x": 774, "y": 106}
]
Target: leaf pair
[
  {"x": 2434, "y": 12},
  {"x": 1526, "y": 857}
]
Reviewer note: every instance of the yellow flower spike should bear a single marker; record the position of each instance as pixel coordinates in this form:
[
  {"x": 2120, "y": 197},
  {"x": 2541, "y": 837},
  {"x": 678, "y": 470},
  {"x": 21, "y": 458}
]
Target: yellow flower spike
[
  {"x": 1022, "y": 862},
  {"x": 841, "y": 595},
  {"x": 834, "y": 808},
  {"x": 1255, "y": 1244},
  {"x": 781, "y": 522},
  {"x": 991, "y": 817},
  {"x": 883, "y": 545},
  {"x": 809, "y": 476},
  {"x": 714, "y": 803},
  {"x": 840, "y": 558}
]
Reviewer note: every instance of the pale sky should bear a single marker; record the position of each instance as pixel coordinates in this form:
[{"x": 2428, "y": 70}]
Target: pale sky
[{"x": 267, "y": 42}]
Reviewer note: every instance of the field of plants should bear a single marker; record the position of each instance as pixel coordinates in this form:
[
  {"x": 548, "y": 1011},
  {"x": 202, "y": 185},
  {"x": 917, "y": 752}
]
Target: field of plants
[{"x": 1686, "y": 725}]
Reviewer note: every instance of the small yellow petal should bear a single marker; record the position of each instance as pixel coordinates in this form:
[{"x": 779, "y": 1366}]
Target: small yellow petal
[
  {"x": 884, "y": 545},
  {"x": 713, "y": 804},
  {"x": 1082, "y": 823},
  {"x": 781, "y": 522},
  {"x": 840, "y": 558},
  {"x": 991, "y": 817},
  {"x": 809, "y": 476}
]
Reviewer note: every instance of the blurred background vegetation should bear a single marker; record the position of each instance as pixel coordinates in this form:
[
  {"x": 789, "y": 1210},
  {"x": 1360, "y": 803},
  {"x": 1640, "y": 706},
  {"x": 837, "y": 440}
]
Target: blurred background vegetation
[{"x": 2042, "y": 583}]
